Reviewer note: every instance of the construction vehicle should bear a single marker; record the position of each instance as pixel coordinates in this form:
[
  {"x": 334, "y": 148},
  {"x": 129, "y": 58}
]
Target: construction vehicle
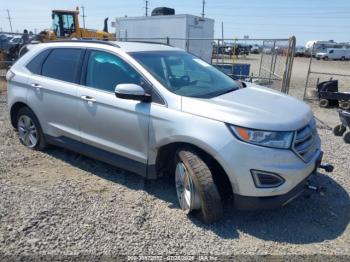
[{"x": 65, "y": 24}]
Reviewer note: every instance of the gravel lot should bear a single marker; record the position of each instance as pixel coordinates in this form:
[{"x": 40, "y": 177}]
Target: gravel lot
[{"x": 59, "y": 202}]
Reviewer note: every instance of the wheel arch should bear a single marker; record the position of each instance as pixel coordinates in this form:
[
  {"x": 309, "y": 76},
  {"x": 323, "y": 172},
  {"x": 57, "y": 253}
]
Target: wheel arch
[
  {"x": 14, "y": 111},
  {"x": 165, "y": 160}
]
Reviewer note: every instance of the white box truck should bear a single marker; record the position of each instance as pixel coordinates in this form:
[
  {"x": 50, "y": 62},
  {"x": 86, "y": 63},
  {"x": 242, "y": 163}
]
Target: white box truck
[
  {"x": 334, "y": 54},
  {"x": 178, "y": 28}
]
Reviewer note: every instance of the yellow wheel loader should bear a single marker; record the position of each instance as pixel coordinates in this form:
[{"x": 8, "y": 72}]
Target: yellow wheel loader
[{"x": 65, "y": 24}]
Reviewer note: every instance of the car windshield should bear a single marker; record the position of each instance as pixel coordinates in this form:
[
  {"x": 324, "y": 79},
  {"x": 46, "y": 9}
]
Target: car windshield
[{"x": 185, "y": 74}]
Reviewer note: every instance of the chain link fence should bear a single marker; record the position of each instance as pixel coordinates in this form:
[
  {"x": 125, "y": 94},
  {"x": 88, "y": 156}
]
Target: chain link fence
[
  {"x": 265, "y": 61},
  {"x": 268, "y": 62},
  {"x": 323, "y": 69}
]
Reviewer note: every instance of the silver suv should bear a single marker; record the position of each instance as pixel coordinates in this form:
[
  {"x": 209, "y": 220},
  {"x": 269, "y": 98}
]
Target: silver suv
[{"x": 156, "y": 110}]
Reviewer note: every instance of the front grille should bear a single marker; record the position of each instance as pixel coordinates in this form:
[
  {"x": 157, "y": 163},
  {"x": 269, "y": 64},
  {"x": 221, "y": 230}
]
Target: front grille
[{"x": 305, "y": 142}]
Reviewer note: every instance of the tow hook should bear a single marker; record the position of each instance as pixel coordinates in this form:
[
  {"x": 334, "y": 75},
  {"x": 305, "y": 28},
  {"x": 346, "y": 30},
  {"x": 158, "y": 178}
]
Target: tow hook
[
  {"x": 327, "y": 167},
  {"x": 317, "y": 189}
]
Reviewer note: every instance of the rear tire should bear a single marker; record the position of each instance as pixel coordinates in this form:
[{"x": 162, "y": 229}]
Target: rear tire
[
  {"x": 205, "y": 201},
  {"x": 29, "y": 130},
  {"x": 339, "y": 130},
  {"x": 347, "y": 138},
  {"x": 324, "y": 103}
]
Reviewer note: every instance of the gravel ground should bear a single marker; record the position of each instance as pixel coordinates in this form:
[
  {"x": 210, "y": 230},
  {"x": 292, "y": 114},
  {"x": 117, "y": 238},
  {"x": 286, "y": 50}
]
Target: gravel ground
[{"x": 59, "y": 202}]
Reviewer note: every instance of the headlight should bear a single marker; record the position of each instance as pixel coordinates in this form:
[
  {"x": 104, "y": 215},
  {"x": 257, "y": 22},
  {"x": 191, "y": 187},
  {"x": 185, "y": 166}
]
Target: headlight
[{"x": 263, "y": 138}]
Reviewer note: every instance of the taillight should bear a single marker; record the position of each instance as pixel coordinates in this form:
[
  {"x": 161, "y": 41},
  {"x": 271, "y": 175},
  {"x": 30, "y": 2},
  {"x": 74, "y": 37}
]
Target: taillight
[{"x": 10, "y": 75}]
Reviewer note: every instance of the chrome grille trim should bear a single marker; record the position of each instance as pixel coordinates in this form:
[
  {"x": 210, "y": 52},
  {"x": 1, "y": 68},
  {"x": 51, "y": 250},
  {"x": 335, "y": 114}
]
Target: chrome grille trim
[{"x": 305, "y": 141}]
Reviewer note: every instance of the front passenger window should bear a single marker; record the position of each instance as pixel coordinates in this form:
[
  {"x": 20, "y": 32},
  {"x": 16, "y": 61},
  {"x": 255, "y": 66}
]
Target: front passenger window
[{"x": 105, "y": 71}]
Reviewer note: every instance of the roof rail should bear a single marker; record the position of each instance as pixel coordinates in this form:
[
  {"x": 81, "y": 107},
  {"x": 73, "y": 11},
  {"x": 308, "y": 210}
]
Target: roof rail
[
  {"x": 146, "y": 42},
  {"x": 93, "y": 41}
]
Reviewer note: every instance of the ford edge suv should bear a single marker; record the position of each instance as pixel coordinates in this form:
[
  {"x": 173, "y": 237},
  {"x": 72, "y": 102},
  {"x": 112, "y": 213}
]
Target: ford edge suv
[{"x": 156, "y": 110}]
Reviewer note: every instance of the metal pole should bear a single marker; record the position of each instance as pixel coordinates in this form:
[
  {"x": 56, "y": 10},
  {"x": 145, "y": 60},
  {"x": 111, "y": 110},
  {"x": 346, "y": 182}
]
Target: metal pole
[
  {"x": 9, "y": 18},
  {"x": 291, "y": 61},
  {"x": 222, "y": 38},
  {"x": 308, "y": 71},
  {"x": 146, "y": 8},
  {"x": 203, "y": 4},
  {"x": 83, "y": 8},
  {"x": 217, "y": 52},
  {"x": 273, "y": 53},
  {"x": 261, "y": 58}
]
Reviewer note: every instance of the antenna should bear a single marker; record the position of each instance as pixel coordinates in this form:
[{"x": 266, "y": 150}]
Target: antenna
[
  {"x": 146, "y": 7},
  {"x": 9, "y": 18},
  {"x": 203, "y": 4},
  {"x": 83, "y": 16}
]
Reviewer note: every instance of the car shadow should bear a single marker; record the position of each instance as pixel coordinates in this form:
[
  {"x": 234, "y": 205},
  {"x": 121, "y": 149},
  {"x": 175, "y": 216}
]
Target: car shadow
[{"x": 313, "y": 217}]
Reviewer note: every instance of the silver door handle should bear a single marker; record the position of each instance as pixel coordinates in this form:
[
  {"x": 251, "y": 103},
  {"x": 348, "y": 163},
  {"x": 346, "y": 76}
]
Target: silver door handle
[
  {"x": 37, "y": 86},
  {"x": 88, "y": 98}
]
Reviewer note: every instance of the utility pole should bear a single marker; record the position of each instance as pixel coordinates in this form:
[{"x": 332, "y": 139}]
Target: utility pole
[
  {"x": 222, "y": 31},
  {"x": 9, "y": 18},
  {"x": 203, "y": 4},
  {"x": 83, "y": 16},
  {"x": 146, "y": 8}
]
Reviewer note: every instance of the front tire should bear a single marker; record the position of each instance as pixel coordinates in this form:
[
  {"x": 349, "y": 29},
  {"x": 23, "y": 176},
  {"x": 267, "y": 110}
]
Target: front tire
[
  {"x": 29, "y": 130},
  {"x": 324, "y": 103},
  {"x": 339, "y": 130},
  {"x": 195, "y": 186}
]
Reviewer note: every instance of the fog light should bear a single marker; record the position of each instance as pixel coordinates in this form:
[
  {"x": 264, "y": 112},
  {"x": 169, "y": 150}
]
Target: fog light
[{"x": 263, "y": 179}]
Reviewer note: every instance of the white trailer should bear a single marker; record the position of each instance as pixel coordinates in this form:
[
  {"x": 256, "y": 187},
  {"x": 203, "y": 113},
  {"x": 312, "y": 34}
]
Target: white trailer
[{"x": 178, "y": 28}]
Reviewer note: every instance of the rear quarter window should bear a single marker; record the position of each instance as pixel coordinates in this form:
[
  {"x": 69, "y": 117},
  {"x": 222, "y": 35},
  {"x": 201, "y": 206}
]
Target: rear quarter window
[
  {"x": 63, "y": 64},
  {"x": 36, "y": 63}
]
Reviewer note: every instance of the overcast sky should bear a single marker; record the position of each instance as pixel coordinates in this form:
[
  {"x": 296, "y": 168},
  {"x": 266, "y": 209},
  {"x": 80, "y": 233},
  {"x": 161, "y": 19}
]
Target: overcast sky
[{"x": 306, "y": 19}]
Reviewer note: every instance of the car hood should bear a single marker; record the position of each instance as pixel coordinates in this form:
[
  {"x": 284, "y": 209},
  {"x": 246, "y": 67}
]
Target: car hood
[
  {"x": 253, "y": 107},
  {"x": 320, "y": 54}
]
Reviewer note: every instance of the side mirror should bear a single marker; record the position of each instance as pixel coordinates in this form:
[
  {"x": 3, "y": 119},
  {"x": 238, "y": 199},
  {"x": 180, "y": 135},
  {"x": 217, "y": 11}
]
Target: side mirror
[{"x": 132, "y": 92}]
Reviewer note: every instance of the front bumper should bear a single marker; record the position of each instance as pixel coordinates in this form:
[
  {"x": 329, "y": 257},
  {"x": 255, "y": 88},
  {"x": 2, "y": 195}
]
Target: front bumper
[
  {"x": 272, "y": 202},
  {"x": 262, "y": 203},
  {"x": 239, "y": 158}
]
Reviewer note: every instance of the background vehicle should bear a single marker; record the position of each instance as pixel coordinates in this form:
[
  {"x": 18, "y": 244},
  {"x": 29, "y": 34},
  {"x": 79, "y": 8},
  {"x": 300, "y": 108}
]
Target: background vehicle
[
  {"x": 255, "y": 49},
  {"x": 299, "y": 52},
  {"x": 176, "y": 27},
  {"x": 156, "y": 110},
  {"x": 334, "y": 54},
  {"x": 339, "y": 130},
  {"x": 65, "y": 24},
  {"x": 314, "y": 47}
]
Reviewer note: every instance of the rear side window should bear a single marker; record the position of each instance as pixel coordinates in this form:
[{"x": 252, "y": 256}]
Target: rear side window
[
  {"x": 62, "y": 64},
  {"x": 35, "y": 65}
]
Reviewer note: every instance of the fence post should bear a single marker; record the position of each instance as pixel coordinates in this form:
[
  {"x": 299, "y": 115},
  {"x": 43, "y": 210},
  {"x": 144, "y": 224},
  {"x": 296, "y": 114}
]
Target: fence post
[
  {"x": 261, "y": 58},
  {"x": 167, "y": 40},
  {"x": 287, "y": 74},
  {"x": 273, "y": 54},
  {"x": 217, "y": 52},
  {"x": 308, "y": 71}
]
